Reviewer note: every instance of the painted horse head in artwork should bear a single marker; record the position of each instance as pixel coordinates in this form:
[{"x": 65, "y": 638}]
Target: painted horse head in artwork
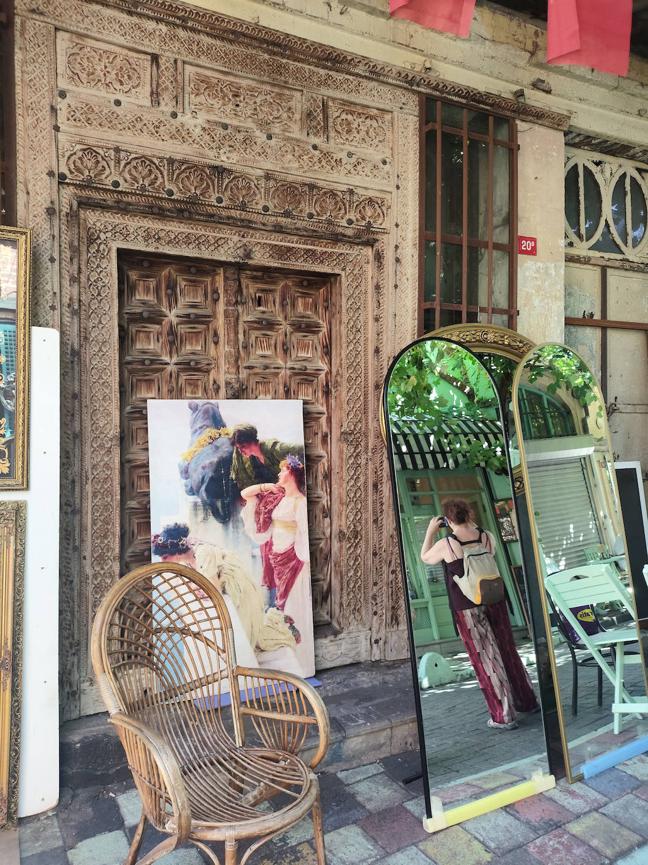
[{"x": 206, "y": 465}]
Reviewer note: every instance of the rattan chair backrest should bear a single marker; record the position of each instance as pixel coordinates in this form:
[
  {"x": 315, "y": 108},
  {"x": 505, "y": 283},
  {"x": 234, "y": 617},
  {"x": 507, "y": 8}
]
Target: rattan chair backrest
[{"x": 163, "y": 650}]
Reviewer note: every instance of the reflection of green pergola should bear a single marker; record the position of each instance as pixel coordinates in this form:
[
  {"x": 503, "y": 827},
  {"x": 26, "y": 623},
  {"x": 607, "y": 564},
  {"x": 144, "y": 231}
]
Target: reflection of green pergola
[{"x": 421, "y": 444}]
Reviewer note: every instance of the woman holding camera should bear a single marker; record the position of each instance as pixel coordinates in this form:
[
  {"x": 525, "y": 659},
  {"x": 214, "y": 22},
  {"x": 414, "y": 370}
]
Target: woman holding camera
[{"x": 485, "y": 630}]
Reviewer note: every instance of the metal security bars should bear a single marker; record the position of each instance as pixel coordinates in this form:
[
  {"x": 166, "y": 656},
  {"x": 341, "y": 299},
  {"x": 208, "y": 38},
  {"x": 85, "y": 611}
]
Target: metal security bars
[{"x": 468, "y": 217}]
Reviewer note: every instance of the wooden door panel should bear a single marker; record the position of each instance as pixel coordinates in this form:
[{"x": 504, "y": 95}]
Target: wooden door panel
[
  {"x": 136, "y": 530},
  {"x": 170, "y": 322},
  {"x": 145, "y": 289},
  {"x": 306, "y": 305},
  {"x": 145, "y": 338},
  {"x": 200, "y": 331},
  {"x": 145, "y": 383},
  {"x": 262, "y": 346},
  {"x": 305, "y": 348},
  {"x": 261, "y": 297},
  {"x": 286, "y": 334},
  {"x": 196, "y": 295},
  {"x": 307, "y": 387},
  {"x": 268, "y": 384},
  {"x": 194, "y": 340},
  {"x": 134, "y": 434},
  {"x": 138, "y": 480},
  {"x": 193, "y": 383}
]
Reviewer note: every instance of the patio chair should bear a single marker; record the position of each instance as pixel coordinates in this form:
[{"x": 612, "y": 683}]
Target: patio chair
[
  {"x": 580, "y": 660},
  {"x": 584, "y": 658},
  {"x": 163, "y": 653},
  {"x": 598, "y": 584}
]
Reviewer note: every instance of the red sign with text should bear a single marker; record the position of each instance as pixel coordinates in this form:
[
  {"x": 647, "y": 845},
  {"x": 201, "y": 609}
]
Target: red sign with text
[{"x": 527, "y": 245}]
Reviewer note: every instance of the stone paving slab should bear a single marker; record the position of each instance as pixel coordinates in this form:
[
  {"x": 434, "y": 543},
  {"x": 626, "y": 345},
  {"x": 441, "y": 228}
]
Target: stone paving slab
[
  {"x": 501, "y": 832},
  {"x": 561, "y": 848},
  {"x": 604, "y": 834},
  {"x": 455, "y": 846},
  {"x": 372, "y": 818},
  {"x": 394, "y": 828},
  {"x": 630, "y": 811}
]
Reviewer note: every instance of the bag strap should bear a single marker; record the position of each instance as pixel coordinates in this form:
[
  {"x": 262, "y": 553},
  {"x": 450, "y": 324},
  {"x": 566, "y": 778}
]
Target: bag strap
[
  {"x": 465, "y": 543},
  {"x": 450, "y": 545},
  {"x": 488, "y": 543},
  {"x": 478, "y": 540}
]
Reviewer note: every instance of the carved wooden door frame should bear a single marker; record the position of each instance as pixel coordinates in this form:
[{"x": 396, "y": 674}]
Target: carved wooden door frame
[{"x": 93, "y": 394}]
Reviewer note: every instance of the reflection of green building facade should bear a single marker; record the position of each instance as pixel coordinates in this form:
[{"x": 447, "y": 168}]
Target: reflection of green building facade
[
  {"x": 8, "y": 353},
  {"x": 544, "y": 416},
  {"x": 8, "y": 349},
  {"x": 421, "y": 494}
]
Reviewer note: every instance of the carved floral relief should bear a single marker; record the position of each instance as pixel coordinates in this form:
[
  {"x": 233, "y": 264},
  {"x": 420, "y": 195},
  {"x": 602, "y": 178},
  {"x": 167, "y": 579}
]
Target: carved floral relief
[
  {"x": 250, "y": 102},
  {"x": 358, "y": 126},
  {"x": 94, "y": 65},
  {"x": 264, "y": 192}
]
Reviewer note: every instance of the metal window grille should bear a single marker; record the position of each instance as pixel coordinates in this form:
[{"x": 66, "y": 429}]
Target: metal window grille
[
  {"x": 606, "y": 206},
  {"x": 468, "y": 217}
]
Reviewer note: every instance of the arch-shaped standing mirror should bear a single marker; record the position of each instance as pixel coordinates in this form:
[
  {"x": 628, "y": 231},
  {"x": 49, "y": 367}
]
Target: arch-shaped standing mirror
[
  {"x": 474, "y": 662},
  {"x": 581, "y": 556},
  {"x": 501, "y": 351}
]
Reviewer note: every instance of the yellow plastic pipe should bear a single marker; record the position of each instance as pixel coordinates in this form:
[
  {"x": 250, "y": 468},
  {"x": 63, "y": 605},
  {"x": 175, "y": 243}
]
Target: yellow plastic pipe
[{"x": 441, "y": 818}]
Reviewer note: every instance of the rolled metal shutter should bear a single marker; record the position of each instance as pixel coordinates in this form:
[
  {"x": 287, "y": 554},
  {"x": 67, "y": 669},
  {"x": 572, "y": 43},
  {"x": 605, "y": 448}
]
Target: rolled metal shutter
[{"x": 563, "y": 509}]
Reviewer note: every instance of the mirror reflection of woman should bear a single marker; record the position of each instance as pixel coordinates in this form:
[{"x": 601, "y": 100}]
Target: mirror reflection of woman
[
  {"x": 276, "y": 517},
  {"x": 484, "y": 630}
]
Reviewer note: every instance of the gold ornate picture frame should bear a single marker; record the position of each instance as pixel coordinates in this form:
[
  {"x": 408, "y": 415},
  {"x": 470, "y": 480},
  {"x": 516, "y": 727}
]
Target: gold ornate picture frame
[
  {"x": 15, "y": 256},
  {"x": 12, "y": 560}
]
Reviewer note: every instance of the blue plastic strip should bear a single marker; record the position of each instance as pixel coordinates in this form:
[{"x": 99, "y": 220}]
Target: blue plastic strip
[
  {"x": 246, "y": 693},
  {"x": 613, "y": 758}
]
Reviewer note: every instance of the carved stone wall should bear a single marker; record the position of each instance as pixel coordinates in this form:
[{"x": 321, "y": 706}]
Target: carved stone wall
[{"x": 138, "y": 132}]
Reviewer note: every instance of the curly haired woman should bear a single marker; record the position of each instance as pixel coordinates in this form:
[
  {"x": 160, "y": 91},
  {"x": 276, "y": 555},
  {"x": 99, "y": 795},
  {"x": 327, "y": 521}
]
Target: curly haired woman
[{"x": 485, "y": 630}]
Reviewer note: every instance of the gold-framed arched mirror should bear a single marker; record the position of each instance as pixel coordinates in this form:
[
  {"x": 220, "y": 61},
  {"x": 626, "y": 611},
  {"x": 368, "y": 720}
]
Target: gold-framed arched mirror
[
  {"x": 448, "y": 450},
  {"x": 579, "y": 544}
]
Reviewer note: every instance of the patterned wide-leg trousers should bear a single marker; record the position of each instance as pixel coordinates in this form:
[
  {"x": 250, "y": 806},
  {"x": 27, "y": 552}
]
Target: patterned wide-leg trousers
[{"x": 487, "y": 635}]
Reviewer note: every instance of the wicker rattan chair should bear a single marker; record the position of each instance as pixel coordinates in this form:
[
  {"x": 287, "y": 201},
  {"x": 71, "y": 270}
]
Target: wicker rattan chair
[{"x": 208, "y": 765}]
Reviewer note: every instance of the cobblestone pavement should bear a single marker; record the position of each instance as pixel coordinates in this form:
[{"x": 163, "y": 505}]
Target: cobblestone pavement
[{"x": 370, "y": 816}]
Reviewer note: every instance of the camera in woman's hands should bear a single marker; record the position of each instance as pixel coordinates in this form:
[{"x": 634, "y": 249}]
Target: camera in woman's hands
[{"x": 443, "y": 521}]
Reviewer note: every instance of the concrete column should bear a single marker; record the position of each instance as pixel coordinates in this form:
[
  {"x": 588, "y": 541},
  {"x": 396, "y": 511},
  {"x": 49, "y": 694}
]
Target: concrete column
[{"x": 541, "y": 207}]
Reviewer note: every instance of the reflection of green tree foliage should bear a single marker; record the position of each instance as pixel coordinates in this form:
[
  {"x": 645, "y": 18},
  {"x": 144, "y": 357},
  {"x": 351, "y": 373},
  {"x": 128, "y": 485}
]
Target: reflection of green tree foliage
[
  {"x": 502, "y": 370},
  {"x": 430, "y": 366},
  {"x": 566, "y": 371},
  {"x": 436, "y": 381}
]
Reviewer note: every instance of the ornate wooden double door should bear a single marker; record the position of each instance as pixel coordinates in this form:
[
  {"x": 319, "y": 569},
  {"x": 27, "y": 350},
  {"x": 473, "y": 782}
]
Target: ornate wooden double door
[{"x": 203, "y": 330}]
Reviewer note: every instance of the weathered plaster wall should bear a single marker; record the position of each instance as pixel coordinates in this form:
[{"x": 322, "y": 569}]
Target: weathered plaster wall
[
  {"x": 503, "y": 54},
  {"x": 541, "y": 197}
]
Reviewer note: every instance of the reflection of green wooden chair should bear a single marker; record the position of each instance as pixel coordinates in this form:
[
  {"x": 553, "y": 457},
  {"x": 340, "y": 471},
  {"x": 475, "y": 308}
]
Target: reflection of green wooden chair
[{"x": 598, "y": 584}]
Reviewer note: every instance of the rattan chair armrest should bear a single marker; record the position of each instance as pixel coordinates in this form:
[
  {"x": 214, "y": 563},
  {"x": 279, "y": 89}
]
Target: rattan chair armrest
[
  {"x": 283, "y": 709},
  {"x": 157, "y": 774}
]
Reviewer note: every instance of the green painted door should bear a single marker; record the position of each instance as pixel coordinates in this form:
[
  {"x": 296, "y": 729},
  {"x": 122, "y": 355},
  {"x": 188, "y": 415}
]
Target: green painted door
[{"x": 421, "y": 494}]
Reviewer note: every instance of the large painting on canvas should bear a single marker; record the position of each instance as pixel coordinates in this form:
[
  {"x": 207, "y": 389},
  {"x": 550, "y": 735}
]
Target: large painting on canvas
[{"x": 228, "y": 497}]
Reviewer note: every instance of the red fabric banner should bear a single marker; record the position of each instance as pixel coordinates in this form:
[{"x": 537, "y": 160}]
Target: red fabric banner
[
  {"x": 450, "y": 16},
  {"x": 593, "y": 33}
]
